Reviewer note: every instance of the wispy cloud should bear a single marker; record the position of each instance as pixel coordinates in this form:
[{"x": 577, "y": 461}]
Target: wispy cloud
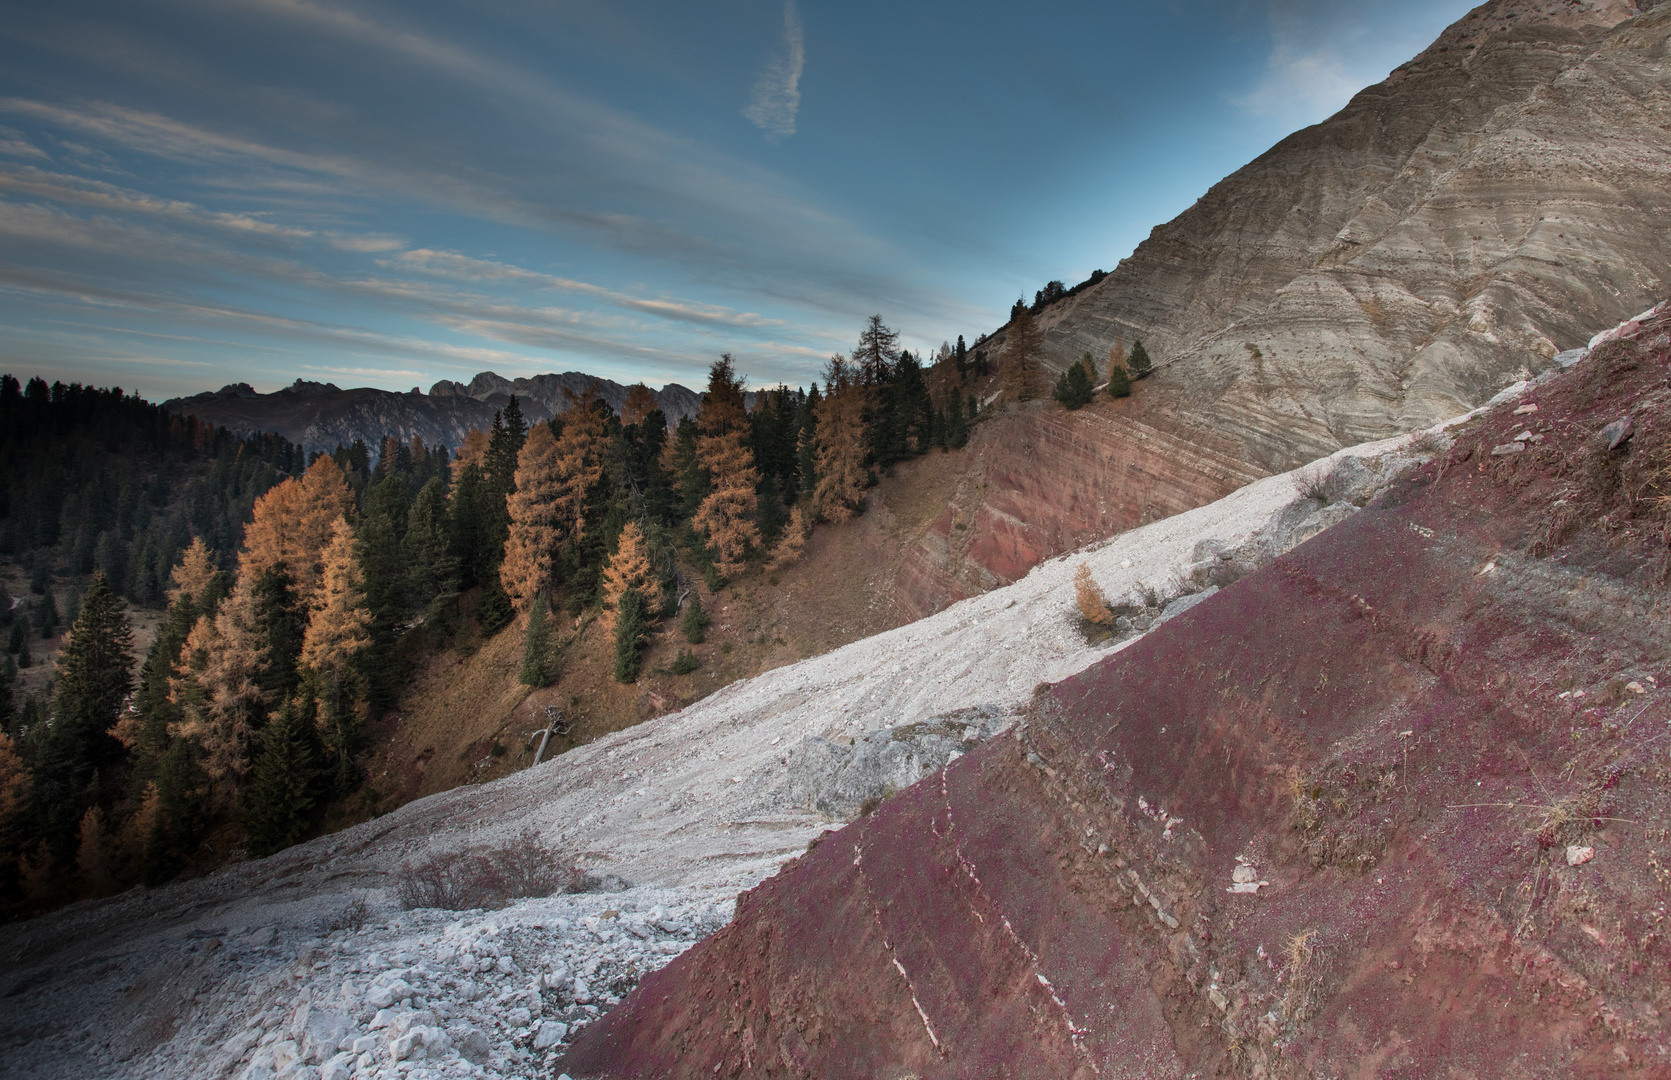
[
  {"x": 451, "y": 264},
  {"x": 777, "y": 89}
]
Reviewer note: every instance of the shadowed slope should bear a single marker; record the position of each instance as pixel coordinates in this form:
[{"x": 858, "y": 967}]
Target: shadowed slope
[{"x": 1384, "y": 729}]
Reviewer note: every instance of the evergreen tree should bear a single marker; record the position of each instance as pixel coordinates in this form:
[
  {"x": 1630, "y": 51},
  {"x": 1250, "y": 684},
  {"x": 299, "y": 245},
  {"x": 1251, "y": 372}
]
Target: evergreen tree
[
  {"x": 1119, "y": 383},
  {"x": 285, "y": 783},
  {"x": 877, "y": 351},
  {"x": 1022, "y": 373},
  {"x": 94, "y": 677},
  {"x": 536, "y": 644},
  {"x": 15, "y": 784},
  {"x": 629, "y": 635},
  {"x": 957, "y": 425},
  {"x": 494, "y": 611},
  {"x": 380, "y": 539},
  {"x": 176, "y": 807},
  {"x": 686, "y": 465},
  {"x": 962, "y": 356},
  {"x": 1073, "y": 388},
  {"x": 695, "y": 620},
  {"x": 1140, "y": 363},
  {"x": 426, "y": 551},
  {"x": 46, "y": 615},
  {"x": 281, "y": 620}
]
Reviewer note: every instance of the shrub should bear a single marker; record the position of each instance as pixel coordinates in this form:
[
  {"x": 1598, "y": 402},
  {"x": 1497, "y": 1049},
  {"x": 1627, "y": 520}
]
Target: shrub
[
  {"x": 685, "y": 663},
  {"x": 1092, "y": 605},
  {"x": 487, "y": 878}
]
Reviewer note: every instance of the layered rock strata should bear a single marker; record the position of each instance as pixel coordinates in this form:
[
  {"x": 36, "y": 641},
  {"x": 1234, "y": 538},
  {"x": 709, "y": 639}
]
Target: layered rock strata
[
  {"x": 1483, "y": 206},
  {"x": 1394, "y": 802}
]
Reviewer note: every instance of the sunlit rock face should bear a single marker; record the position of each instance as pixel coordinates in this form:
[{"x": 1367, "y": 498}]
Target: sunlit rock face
[{"x": 1493, "y": 198}]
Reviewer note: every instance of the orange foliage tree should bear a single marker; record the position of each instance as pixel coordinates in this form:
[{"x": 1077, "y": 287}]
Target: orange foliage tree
[
  {"x": 629, "y": 568},
  {"x": 473, "y": 452},
  {"x": 726, "y": 516},
  {"x": 641, "y": 402},
  {"x": 533, "y": 506},
  {"x": 840, "y": 452},
  {"x": 293, "y": 523},
  {"x": 221, "y": 702},
  {"x": 580, "y": 456},
  {"x": 192, "y": 575},
  {"x": 338, "y": 628}
]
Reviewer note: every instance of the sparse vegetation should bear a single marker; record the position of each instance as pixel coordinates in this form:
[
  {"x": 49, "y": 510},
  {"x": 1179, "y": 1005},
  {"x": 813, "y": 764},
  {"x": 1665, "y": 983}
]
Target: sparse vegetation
[{"x": 487, "y": 878}]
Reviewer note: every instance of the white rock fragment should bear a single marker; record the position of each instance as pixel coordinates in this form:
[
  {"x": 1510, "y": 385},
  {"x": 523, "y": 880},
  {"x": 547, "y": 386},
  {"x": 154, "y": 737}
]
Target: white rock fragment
[
  {"x": 1578, "y": 856},
  {"x": 550, "y": 1034}
]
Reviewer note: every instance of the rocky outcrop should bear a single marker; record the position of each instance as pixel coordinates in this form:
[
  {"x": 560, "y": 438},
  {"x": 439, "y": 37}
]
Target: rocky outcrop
[
  {"x": 322, "y": 416},
  {"x": 1395, "y": 264},
  {"x": 1393, "y": 802}
]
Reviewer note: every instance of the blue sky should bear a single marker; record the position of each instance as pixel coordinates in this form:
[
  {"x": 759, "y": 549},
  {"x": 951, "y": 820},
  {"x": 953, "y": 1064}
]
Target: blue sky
[{"x": 196, "y": 193}]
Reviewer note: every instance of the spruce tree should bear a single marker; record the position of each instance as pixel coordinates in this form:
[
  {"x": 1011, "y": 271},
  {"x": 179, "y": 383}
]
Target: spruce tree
[
  {"x": 535, "y": 644},
  {"x": 431, "y": 568},
  {"x": 695, "y": 620},
  {"x": 285, "y": 782},
  {"x": 1020, "y": 364},
  {"x": 1140, "y": 363},
  {"x": 1119, "y": 383},
  {"x": 629, "y": 635},
  {"x": 178, "y": 793},
  {"x": 94, "y": 677}
]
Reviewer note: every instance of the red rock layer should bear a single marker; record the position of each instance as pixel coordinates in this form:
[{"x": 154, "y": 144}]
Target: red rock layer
[{"x": 1385, "y": 725}]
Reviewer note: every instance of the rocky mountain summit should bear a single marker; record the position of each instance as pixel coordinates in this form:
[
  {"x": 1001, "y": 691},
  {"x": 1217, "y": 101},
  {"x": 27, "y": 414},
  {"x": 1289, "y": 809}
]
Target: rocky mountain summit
[
  {"x": 322, "y": 416},
  {"x": 1477, "y": 211}
]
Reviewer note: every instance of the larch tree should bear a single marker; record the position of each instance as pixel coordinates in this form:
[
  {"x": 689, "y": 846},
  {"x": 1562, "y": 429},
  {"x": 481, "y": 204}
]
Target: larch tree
[
  {"x": 191, "y": 577},
  {"x": 534, "y": 533},
  {"x": 877, "y": 352},
  {"x": 839, "y": 456},
  {"x": 15, "y": 786},
  {"x": 473, "y": 452},
  {"x": 292, "y": 523},
  {"x": 580, "y": 456},
  {"x": 339, "y": 626},
  {"x": 726, "y": 517},
  {"x": 629, "y": 568},
  {"x": 218, "y": 689},
  {"x": 641, "y": 402},
  {"x": 1023, "y": 376},
  {"x": 793, "y": 541}
]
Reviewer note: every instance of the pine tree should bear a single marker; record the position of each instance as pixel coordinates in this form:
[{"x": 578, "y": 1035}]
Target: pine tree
[
  {"x": 534, "y": 529},
  {"x": 629, "y": 635},
  {"x": 840, "y": 457},
  {"x": 94, "y": 678},
  {"x": 280, "y": 621},
  {"x": 629, "y": 569},
  {"x": 536, "y": 643},
  {"x": 285, "y": 782},
  {"x": 1023, "y": 376},
  {"x": 695, "y": 620},
  {"x": 1140, "y": 363},
  {"x": 726, "y": 518}
]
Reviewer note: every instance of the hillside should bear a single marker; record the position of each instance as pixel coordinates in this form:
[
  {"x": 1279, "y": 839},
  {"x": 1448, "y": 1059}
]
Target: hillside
[
  {"x": 1393, "y": 801},
  {"x": 1477, "y": 211},
  {"x": 681, "y": 811}
]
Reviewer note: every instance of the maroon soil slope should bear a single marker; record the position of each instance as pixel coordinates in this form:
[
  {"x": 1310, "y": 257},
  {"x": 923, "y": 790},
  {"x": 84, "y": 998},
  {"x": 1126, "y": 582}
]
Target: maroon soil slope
[{"x": 1386, "y": 725}]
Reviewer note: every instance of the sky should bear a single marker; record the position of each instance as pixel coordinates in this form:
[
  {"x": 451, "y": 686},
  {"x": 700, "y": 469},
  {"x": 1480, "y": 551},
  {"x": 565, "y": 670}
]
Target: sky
[{"x": 201, "y": 192}]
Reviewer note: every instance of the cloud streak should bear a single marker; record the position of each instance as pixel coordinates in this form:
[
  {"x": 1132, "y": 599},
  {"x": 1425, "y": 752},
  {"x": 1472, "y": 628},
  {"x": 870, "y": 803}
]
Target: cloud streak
[{"x": 776, "y": 100}]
